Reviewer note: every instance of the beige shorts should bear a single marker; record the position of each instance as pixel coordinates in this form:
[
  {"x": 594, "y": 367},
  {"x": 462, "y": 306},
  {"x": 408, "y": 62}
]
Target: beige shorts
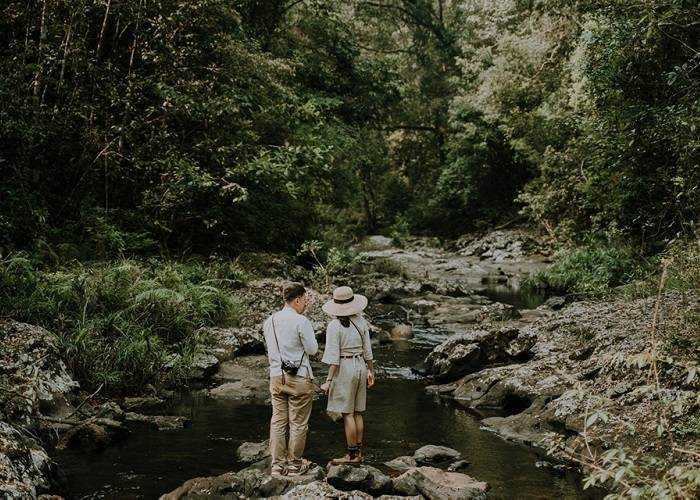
[{"x": 348, "y": 390}]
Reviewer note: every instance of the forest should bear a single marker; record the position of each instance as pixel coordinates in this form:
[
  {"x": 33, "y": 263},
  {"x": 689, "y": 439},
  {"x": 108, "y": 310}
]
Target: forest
[{"x": 156, "y": 157}]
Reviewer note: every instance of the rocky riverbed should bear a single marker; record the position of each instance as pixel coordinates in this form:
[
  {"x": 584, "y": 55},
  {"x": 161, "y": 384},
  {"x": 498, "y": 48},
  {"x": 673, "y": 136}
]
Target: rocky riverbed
[{"x": 451, "y": 330}]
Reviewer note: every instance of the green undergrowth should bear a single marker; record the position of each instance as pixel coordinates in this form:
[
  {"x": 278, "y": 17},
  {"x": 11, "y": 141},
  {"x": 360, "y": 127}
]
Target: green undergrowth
[
  {"x": 118, "y": 322},
  {"x": 599, "y": 270}
]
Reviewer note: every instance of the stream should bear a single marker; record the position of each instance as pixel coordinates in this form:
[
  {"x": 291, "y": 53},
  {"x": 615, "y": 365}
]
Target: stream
[{"x": 401, "y": 417}]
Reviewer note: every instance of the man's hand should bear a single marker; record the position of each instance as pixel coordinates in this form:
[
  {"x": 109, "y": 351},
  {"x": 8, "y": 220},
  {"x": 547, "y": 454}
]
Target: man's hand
[
  {"x": 326, "y": 386},
  {"x": 370, "y": 378}
]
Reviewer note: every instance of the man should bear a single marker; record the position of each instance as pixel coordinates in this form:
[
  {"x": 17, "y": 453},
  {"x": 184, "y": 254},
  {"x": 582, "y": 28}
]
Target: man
[{"x": 290, "y": 342}]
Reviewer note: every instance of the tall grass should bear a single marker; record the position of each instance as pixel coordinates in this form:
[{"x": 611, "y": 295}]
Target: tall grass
[
  {"x": 118, "y": 322},
  {"x": 589, "y": 271}
]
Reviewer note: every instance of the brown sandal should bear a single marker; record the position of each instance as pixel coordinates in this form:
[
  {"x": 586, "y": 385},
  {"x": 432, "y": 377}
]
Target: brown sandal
[{"x": 353, "y": 457}]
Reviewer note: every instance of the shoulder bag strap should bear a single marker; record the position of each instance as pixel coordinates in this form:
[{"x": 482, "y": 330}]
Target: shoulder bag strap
[{"x": 362, "y": 337}]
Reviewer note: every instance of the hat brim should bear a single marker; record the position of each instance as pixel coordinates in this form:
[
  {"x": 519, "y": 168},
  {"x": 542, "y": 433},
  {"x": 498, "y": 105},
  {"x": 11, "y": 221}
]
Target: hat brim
[{"x": 358, "y": 304}]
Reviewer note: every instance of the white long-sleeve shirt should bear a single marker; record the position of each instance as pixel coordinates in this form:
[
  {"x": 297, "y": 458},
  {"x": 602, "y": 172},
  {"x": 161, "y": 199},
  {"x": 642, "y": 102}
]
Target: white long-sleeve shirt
[{"x": 295, "y": 335}]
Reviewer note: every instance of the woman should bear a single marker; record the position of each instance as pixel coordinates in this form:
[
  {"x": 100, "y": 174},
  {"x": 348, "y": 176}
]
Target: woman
[{"x": 348, "y": 351}]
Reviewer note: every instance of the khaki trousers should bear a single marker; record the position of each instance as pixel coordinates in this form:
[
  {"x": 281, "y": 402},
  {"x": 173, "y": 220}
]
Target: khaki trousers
[{"x": 290, "y": 417}]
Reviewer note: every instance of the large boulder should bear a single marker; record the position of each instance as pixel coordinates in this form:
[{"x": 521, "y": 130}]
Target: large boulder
[
  {"x": 363, "y": 477},
  {"x": 469, "y": 352},
  {"x": 436, "y": 484},
  {"x": 25, "y": 468},
  {"x": 232, "y": 342},
  {"x": 32, "y": 367}
]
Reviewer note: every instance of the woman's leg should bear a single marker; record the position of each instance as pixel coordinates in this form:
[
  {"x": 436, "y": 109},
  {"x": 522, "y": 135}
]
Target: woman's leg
[
  {"x": 350, "y": 429},
  {"x": 359, "y": 427}
]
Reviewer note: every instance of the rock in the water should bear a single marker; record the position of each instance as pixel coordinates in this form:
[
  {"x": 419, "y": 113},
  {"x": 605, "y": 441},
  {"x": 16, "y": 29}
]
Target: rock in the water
[
  {"x": 432, "y": 454},
  {"x": 457, "y": 466},
  {"x": 470, "y": 352},
  {"x": 158, "y": 422},
  {"x": 360, "y": 477},
  {"x": 401, "y": 332},
  {"x": 321, "y": 489},
  {"x": 249, "y": 453},
  {"x": 401, "y": 464},
  {"x": 436, "y": 484}
]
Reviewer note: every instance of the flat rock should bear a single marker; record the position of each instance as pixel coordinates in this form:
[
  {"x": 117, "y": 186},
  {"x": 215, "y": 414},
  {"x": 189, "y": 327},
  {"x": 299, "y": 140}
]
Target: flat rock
[
  {"x": 433, "y": 454},
  {"x": 401, "y": 464},
  {"x": 436, "y": 484}
]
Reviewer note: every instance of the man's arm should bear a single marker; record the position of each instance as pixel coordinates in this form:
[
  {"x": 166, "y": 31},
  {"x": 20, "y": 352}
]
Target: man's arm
[{"x": 308, "y": 337}]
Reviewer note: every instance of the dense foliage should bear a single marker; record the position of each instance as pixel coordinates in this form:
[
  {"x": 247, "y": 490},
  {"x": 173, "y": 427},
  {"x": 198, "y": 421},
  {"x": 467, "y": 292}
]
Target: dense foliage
[
  {"x": 216, "y": 126},
  {"x": 126, "y": 324}
]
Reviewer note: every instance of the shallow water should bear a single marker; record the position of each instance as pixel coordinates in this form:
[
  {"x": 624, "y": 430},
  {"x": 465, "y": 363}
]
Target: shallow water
[{"x": 401, "y": 417}]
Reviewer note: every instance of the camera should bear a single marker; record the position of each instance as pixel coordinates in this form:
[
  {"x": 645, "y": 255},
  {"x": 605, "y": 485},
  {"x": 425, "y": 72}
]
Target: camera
[{"x": 290, "y": 368}]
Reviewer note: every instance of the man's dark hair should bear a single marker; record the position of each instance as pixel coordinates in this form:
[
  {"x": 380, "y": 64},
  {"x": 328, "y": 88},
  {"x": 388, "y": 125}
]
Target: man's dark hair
[{"x": 292, "y": 291}]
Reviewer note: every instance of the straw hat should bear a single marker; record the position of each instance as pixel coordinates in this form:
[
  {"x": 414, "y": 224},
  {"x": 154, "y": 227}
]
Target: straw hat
[{"x": 345, "y": 303}]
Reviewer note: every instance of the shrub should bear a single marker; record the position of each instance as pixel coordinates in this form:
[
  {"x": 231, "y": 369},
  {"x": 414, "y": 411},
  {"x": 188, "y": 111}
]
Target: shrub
[
  {"x": 590, "y": 271},
  {"x": 118, "y": 322}
]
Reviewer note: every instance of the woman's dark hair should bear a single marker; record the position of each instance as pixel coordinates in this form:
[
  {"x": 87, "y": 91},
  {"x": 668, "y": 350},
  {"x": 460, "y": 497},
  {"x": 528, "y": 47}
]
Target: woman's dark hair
[
  {"x": 344, "y": 320},
  {"x": 292, "y": 291}
]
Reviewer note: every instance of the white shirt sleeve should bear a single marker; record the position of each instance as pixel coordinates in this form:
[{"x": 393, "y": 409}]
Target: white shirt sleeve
[
  {"x": 308, "y": 337},
  {"x": 331, "y": 353}
]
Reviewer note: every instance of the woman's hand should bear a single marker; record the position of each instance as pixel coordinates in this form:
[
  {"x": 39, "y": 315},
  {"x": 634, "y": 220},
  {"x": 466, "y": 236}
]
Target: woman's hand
[
  {"x": 370, "y": 378},
  {"x": 325, "y": 387}
]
